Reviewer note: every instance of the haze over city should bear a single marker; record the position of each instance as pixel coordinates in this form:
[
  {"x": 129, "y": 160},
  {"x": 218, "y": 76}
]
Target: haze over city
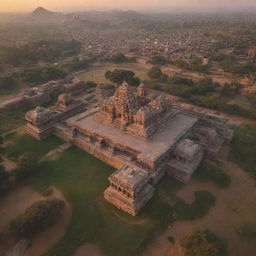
[{"x": 156, "y": 5}]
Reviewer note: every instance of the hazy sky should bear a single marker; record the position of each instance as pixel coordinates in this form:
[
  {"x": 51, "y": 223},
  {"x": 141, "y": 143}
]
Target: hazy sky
[{"x": 59, "y": 5}]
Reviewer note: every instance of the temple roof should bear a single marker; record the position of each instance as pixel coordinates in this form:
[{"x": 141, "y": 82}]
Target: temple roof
[
  {"x": 129, "y": 176},
  {"x": 39, "y": 115},
  {"x": 187, "y": 149}
]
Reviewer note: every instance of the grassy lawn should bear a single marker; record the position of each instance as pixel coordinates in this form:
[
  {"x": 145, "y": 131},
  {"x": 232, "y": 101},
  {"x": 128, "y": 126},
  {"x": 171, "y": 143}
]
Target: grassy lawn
[
  {"x": 12, "y": 121},
  {"x": 243, "y": 148},
  {"x": 26, "y": 143},
  {"x": 97, "y": 74},
  {"x": 208, "y": 172},
  {"x": 82, "y": 180}
]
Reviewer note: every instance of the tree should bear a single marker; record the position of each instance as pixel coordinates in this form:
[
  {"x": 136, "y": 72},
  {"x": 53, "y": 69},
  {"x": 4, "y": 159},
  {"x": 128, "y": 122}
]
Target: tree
[
  {"x": 52, "y": 73},
  {"x": 37, "y": 217},
  {"x": 155, "y": 73},
  {"x": 119, "y": 76},
  {"x": 203, "y": 243},
  {"x": 158, "y": 60},
  {"x": 119, "y": 58},
  {"x": 90, "y": 84},
  {"x": 231, "y": 88}
]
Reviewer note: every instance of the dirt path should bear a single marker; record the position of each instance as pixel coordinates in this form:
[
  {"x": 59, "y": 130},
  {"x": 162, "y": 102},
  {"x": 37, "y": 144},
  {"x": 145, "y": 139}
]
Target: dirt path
[
  {"x": 234, "y": 208},
  {"x": 88, "y": 250}
]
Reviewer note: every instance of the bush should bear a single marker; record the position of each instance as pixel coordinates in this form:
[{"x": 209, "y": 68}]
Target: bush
[
  {"x": 119, "y": 76},
  {"x": 155, "y": 73},
  {"x": 27, "y": 163},
  {"x": 90, "y": 84},
  {"x": 208, "y": 172},
  {"x": 171, "y": 239},
  {"x": 158, "y": 60},
  {"x": 204, "y": 243},
  {"x": 204, "y": 200},
  {"x": 119, "y": 58},
  {"x": 37, "y": 217}
]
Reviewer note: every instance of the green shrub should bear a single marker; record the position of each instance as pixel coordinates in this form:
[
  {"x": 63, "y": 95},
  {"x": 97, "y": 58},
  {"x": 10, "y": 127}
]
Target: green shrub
[
  {"x": 37, "y": 217},
  {"x": 208, "y": 172},
  {"x": 171, "y": 239},
  {"x": 204, "y": 243},
  {"x": 204, "y": 200}
]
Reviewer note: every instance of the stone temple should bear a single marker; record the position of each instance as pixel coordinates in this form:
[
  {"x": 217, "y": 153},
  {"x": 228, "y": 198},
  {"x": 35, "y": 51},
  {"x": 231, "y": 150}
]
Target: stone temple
[{"x": 144, "y": 136}]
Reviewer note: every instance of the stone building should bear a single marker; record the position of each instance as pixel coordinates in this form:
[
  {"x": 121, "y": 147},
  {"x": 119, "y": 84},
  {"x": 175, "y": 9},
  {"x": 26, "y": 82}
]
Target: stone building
[{"x": 143, "y": 136}]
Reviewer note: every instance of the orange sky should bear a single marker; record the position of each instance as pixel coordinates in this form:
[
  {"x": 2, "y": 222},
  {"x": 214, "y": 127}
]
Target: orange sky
[{"x": 58, "y": 5}]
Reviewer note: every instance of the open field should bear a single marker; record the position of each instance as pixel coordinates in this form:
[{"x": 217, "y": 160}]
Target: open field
[
  {"x": 97, "y": 73},
  {"x": 12, "y": 121}
]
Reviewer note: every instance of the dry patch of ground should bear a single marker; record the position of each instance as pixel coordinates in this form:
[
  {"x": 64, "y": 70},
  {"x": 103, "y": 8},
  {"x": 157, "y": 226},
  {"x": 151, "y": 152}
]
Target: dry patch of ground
[
  {"x": 88, "y": 250},
  {"x": 43, "y": 241},
  {"x": 235, "y": 207},
  {"x": 15, "y": 203}
]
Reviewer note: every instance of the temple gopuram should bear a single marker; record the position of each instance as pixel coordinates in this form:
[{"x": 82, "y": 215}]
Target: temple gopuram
[{"x": 142, "y": 135}]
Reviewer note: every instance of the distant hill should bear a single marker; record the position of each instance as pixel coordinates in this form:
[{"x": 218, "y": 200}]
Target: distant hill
[{"x": 40, "y": 11}]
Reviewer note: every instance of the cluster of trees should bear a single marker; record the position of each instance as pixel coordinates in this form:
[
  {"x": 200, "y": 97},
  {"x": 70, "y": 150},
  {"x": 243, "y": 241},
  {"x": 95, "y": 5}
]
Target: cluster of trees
[
  {"x": 119, "y": 76},
  {"x": 204, "y": 93},
  {"x": 181, "y": 86},
  {"x": 37, "y": 217},
  {"x": 232, "y": 88},
  {"x": 230, "y": 64},
  {"x": 119, "y": 57},
  {"x": 42, "y": 74},
  {"x": 158, "y": 60},
  {"x": 77, "y": 64},
  {"x": 156, "y": 73},
  {"x": 195, "y": 64},
  {"x": 32, "y": 76},
  {"x": 202, "y": 243},
  {"x": 33, "y": 52}
]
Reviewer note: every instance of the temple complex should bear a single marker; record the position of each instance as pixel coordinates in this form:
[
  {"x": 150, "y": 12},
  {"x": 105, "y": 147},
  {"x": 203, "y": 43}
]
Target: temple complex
[{"x": 143, "y": 135}]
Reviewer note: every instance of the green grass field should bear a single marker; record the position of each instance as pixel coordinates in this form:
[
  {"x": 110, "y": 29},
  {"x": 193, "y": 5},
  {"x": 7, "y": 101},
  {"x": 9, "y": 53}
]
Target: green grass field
[
  {"x": 22, "y": 144},
  {"x": 97, "y": 74},
  {"x": 12, "y": 121},
  {"x": 243, "y": 148}
]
